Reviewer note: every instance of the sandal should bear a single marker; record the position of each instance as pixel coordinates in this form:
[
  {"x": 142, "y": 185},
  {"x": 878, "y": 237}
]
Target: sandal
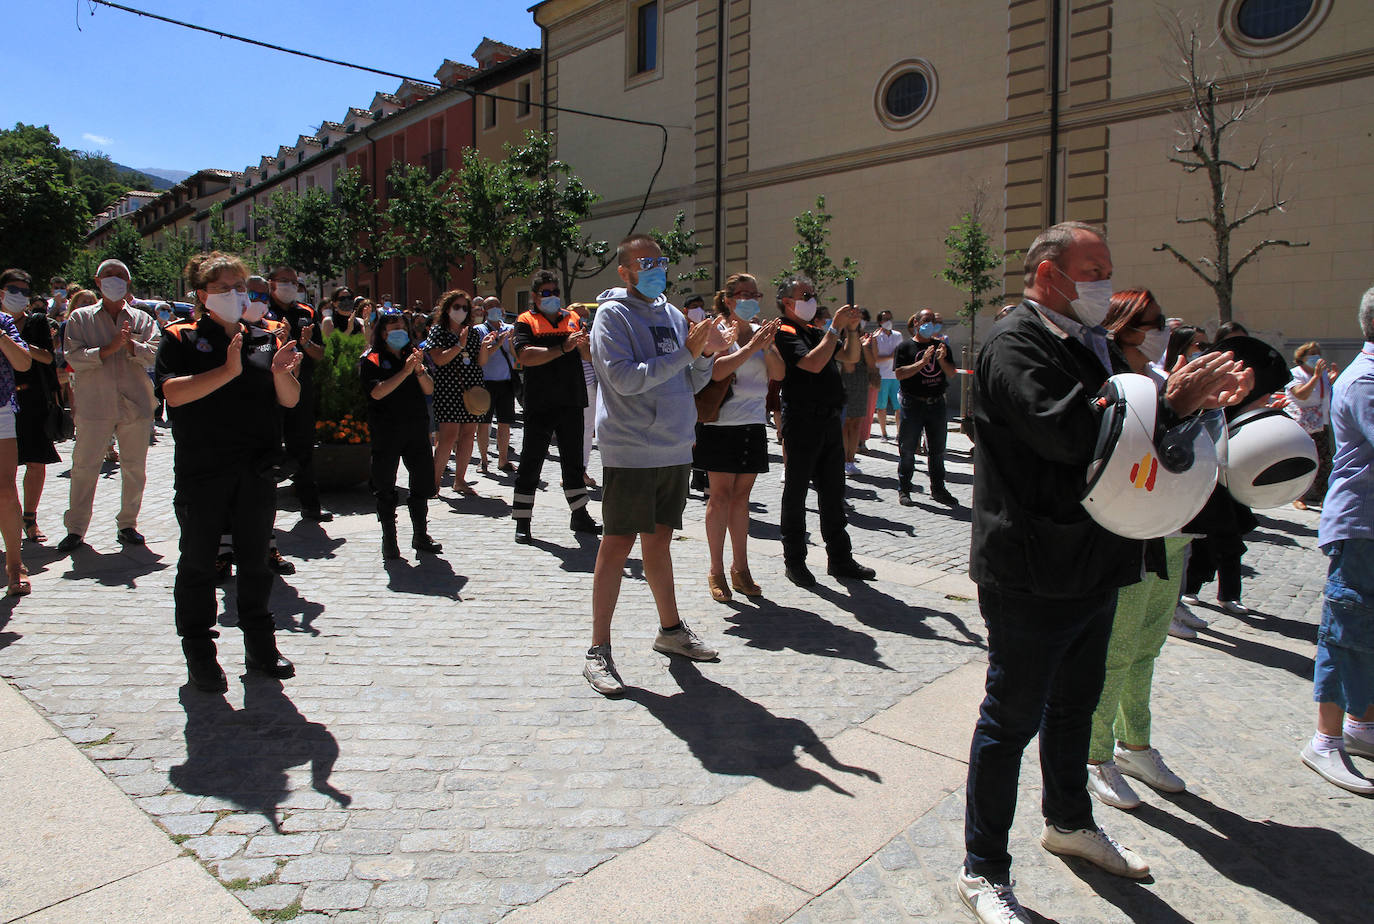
[
  {"x": 18, "y": 586},
  {"x": 31, "y": 530},
  {"x": 719, "y": 592},
  {"x": 508, "y": 468}
]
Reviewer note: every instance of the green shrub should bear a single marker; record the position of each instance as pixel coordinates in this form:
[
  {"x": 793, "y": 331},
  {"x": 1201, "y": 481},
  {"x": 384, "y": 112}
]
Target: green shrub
[{"x": 340, "y": 405}]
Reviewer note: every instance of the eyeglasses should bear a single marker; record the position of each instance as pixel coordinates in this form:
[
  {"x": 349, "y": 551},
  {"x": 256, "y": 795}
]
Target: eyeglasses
[
  {"x": 650, "y": 263},
  {"x": 16, "y": 290},
  {"x": 547, "y": 292},
  {"x": 1158, "y": 323}
]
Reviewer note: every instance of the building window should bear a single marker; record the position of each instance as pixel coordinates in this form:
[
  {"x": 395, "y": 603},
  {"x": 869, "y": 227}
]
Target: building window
[
  {"x": 646, "y": 37},
  {"x": 489, "y": 116},
  {"x": 525, "y": 90},
  {"x": 1258, "y": 28},
  {"x": 906, "y": 93}
]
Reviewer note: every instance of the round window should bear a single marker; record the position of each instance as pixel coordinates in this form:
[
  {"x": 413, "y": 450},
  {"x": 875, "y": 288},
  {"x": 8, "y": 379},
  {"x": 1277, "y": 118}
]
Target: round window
[
  {"x": 905, "y": 93},
  {"x": 1256, "y": 28}
]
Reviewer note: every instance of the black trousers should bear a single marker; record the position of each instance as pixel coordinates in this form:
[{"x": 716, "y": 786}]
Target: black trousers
[
  {"x": 541, "y": 427},
  {"x": 814, "y": 444},
  {"x": 407, "y": 442},
  {"x": 1216, "y": 555},
  {"x": 921, "y": 417},
  {"x": 298, "y": 432},
  {"x": 248, "y": 503}
]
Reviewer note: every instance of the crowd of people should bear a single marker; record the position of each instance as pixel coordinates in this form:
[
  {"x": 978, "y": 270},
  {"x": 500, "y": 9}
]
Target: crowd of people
[{"x": 1076, "y": 615}]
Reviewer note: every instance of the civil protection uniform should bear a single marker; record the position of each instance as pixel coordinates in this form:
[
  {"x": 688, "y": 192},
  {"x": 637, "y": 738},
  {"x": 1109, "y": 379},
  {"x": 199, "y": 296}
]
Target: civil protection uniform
[
  {"x": 400, "y": 434},
  {"x": 299, "y": 421},
  {"x": 813, "y": 440},
  {"x": 225, "y": 444},
  {"x": 555, "y": 395}
]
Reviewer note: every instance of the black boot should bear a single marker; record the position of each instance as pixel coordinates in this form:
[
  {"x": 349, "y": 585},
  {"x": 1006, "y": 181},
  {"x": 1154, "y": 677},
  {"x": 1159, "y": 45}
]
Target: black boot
[
  {"x": 522, "y": 531},
  {"x": 582, "y": 522},
  {"x": 386, "y": 515},
  {"x": 260, "y": 654},
  {"x": 202, "y": 667},
  {"x": 420, "y": 540}
]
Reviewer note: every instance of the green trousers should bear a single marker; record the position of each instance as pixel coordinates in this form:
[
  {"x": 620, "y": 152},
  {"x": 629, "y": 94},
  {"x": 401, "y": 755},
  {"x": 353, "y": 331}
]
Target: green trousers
[{"x": 1141, "y": 625}]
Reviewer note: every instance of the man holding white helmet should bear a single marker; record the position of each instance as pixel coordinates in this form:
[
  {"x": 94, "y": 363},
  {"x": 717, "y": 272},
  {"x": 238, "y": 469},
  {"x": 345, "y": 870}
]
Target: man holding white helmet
[
  {"x": 1344, "y": 675},
  {"x": 110, "y": 347},
  {"x": 1047, "y": 573}
]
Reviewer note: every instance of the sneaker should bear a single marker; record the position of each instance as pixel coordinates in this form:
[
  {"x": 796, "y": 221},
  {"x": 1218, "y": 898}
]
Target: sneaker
[
  {"x": 1148, "y": 767},
  {"x": 1188, "y": 617},
  {"x": 852, "y": 468},
  {"x": 1178, "y": 629},
  {"x": 1106, "y": 782},
  {"x": 990, "y": 902},
  {"x": 1095, "y": 846},
  {"x": 1358, "y": 747},
  {"x": 1234, "y": 607},
  {"x": 1188, "y": 600},
  {"x": 904, "y": 498},
  {"x": 683, "y": 641},
  {"x": 600, "y": 671},
  {"x": 1335, "y": 767}
]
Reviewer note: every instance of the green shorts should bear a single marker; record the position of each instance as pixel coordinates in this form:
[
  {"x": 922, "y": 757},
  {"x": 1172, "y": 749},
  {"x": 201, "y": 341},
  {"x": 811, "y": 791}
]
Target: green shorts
[{"x": 639, "y": 500}]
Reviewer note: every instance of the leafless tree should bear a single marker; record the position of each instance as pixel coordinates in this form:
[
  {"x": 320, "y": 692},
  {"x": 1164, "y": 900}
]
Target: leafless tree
[{"x": 1213, "y": 106}]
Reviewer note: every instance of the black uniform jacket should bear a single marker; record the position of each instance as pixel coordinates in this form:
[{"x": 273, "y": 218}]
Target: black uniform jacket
[{"x": 1036, "y": 429}]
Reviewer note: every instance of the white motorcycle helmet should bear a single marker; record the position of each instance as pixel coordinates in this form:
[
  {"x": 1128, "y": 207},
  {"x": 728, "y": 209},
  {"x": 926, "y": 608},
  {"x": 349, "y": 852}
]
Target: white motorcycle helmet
[
  {"x": 1144, "y": 481},
  {"x": 1270, "y": 459}
]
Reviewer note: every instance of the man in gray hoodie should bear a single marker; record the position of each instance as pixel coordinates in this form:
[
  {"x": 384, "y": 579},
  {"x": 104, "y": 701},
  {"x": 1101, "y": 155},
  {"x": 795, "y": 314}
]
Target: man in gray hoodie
[{"x": 650, "y": 363}]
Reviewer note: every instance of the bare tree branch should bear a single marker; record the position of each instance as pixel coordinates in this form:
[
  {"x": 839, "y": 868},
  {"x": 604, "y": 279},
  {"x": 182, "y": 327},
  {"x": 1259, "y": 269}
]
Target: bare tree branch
[
  {"x": 1169, "y": 248},
  {"x": 1254, "y": 251},
  {"x": 1255, "y": 213}
]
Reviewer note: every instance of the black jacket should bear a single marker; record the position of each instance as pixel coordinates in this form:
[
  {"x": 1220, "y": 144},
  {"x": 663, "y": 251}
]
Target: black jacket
[{"x": 1036, "y": 429}]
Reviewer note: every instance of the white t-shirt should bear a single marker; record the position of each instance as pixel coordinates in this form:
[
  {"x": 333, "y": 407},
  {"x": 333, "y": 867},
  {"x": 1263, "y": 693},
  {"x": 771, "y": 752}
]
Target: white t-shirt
[
  {"x": 748, "y": 395},
  {"x": 887, "y": 342},
  {"x": 1314, "y": 411}
]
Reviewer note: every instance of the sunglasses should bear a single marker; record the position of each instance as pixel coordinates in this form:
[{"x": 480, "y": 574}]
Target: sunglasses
[
  {"x": 649, "y": 263},
  {"x": 1158, "y": 323},
  {"x": 389, "y": 313},
  {"x": 547, "y": 292},
  {"x": 16, "y": 290}
]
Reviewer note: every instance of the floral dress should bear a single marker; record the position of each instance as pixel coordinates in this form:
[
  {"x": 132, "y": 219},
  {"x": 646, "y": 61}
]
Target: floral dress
[{"x": 462, "y": 372}]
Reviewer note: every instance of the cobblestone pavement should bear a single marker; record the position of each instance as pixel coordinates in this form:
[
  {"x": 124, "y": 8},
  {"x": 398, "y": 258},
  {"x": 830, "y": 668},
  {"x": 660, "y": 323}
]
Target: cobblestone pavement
[{"x": 439, "y": 757}]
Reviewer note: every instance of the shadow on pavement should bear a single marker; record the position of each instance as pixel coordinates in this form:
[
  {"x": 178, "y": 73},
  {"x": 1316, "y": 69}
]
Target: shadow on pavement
[
  {"x": 292, "y": 612},
  {"x": 242, "y": 755},
  {"x": 770, "y": 627},
  {"x": 886, "y": 613},
  {"x": 1314, "y": 871},
  {"x": 308, "y": 541},
  {"x": 580, "y": 558},
  {"x": 113, "y": 569},
  {"x": 1265, "y": 655},
  {"x": 428, "y": 576},
  {"x": 731, "y": 734},
  {"x": 1284, "y": 526},
  {"x": 7, "y": 605},
  {"x": 491, "y": 506}
]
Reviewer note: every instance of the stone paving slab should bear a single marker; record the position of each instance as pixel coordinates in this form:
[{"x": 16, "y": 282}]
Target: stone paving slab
[{"x": 169, "y": 893}]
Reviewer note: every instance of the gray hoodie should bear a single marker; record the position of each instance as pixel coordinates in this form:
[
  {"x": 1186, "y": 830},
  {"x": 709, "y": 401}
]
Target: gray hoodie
[{"x": 645, "y": 415}]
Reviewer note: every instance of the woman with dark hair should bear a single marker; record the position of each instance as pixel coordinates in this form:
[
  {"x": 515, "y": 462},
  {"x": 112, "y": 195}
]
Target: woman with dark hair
[
  {"x": 14, "y": 357},
  {"x": 1120, "y": 737},
  {"x": 1185, "y": 342},
  {"x": 1231, "y": 329},
  {"x": 459, "y": 350},
  {"x": 392, "y": 374},
  {"x": 36, "y": 396}
]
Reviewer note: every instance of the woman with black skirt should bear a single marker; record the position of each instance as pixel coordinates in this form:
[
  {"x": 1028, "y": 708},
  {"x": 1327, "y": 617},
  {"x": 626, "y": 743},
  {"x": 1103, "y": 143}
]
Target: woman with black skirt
[
  {"x": 36, "y": 393},
  {"x": 393, "y": 377}
]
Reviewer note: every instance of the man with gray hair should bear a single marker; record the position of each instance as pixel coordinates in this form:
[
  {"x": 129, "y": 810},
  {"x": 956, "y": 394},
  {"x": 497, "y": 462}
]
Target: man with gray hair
[
  {"x": 1343, "y": 679},
  {"x": 110, "y": 348},
  {"x": 812, "y": 439}
]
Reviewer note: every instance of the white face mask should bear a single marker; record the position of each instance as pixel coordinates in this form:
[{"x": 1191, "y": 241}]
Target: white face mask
[
  {"x": 15, "y": 303},
  {"x": 113, "y": 288},
  {"x": 287, "y": 292},
  {"x": 695, "y": 314},
  {"x": 806, "y": 310},
  {"x": 227, "y": 306},
  {"x": 459, "y": 315},
  {"x": 1093, "y": 302},
  {"x": 253, "y": 311},
  {"x": 887, "y": 326},
  {"x": 1155, "y": 344}
]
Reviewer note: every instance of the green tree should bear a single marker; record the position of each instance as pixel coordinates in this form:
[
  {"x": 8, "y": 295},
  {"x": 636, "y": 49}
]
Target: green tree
[
  {"x": 42, "y": 216},
  {"x": 363, "y": 227},
  {"x": 125, "y": 244},
  {"x": 226, "y": 239},
  {"x": 680, "y": 246},
  {"x": 970, "y": 259},
  {"x": 423, "y": 214},
  {"x": 164, "y": 263},
  {"x": 811, "y": 256},
  {"x": 305, "y": 231},
  {"x": 555, "y": 203},
  {"x": 491, "y": 213}
]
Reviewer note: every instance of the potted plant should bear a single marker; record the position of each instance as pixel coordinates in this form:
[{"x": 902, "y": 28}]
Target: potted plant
[{"x": 343, "y": 456}]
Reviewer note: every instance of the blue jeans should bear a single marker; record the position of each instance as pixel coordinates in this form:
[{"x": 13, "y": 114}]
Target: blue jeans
[
  {"x": 1344, "y": 670},
  {"x": 1046, "y": 661},
  {"x": 920, "y": 417}
]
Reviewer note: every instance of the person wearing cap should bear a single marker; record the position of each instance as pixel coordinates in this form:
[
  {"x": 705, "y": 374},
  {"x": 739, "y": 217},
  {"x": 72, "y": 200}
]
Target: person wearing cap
[
  {"x": 1047, "y": 573},
  {"x": 110, "y": 348},
  {"x": 1343, "y": 678}
]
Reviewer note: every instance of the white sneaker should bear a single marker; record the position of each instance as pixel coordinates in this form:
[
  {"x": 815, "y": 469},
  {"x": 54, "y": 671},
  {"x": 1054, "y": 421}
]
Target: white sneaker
[
  {"x": 1106, "y": 782},
  {"x": 852, "y": 468},
  {"x": 1188, "y": 617},
  {"x": 683, "y": 641},
  {"x": 1188, "y": 599},
  {"x": 1335, "y": 767},
  {"x": 1093, "y": 845},
  {"x": 1358, "y": 747},
  {"x": 1234, "y": 607},
  {"x": 1148, "y": 767},
  {"x": 600, "y": 671},
  {"x": 1178, "y": 629},
  {"x": 989, "y": 902}
]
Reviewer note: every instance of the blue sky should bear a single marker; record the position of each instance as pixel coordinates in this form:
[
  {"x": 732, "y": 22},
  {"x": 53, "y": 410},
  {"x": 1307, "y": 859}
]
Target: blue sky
[{"x": 151, "y": 94}]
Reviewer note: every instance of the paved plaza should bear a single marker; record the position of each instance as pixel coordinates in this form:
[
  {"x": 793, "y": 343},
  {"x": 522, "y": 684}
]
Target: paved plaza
[{"x": 439, "y": 757}]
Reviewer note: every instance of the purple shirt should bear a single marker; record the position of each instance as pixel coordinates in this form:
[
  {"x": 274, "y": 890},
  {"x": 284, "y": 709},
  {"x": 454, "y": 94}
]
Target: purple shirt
[
  {"x": 6, "y": 370},
  {"x": 1348, "y": 511}
]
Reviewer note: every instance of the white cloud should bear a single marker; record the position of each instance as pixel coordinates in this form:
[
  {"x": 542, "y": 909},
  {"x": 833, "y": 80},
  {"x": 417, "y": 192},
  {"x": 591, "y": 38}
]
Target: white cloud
[{"x": 97, "y": 139}]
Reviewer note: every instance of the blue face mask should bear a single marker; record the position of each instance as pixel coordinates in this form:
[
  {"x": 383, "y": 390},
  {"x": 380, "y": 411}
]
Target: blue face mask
[
  {"x": 397, "y": 339},
  {"x": 930, "y": 329},
  {"x": 550, "y": 305},
  {"x": 747, "y": 309},
  {"x": 652, "y": 282},
  {"x": 494, "y": 317}
]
